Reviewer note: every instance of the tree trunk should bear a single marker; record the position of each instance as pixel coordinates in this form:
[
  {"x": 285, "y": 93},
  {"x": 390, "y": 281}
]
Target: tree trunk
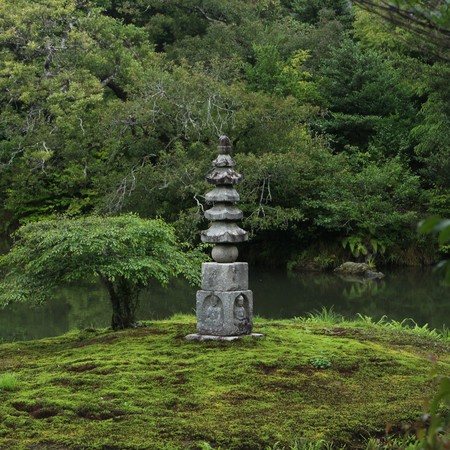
[{"x": 123, "y": 296}]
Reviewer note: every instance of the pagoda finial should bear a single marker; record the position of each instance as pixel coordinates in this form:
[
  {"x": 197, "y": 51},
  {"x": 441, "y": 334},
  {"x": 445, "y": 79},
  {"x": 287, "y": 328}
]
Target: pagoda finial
[{"x": 224, "y": 145}]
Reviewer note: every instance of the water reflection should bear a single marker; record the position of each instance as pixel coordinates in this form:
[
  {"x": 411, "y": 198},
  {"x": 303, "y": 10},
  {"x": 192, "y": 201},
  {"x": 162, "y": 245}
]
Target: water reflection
[
  {"x": 402, "y": 294},
  {"x": 407, "y": 293}
]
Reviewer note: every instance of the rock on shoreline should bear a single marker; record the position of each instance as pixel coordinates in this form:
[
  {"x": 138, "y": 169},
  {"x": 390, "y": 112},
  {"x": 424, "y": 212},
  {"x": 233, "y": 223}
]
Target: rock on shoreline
[{"x": 357, "y": 269}]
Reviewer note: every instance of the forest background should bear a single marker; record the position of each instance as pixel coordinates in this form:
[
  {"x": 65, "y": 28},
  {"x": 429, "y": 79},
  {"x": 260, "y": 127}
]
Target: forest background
[{"x": 339, "y": 119}]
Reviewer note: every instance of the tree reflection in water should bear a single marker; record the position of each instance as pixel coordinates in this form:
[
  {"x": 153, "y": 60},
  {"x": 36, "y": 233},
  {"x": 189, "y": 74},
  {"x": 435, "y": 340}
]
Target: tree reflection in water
[{"x": 406, "y": 293}]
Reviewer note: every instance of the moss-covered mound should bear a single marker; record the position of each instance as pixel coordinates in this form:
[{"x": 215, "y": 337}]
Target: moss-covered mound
[{"x": 149, "y": 388}]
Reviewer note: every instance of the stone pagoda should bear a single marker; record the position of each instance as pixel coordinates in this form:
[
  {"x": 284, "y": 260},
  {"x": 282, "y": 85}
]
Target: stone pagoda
[{"x": 224, "y": 304}]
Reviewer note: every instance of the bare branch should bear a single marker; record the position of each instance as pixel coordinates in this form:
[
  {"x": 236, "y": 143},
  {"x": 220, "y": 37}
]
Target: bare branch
[
  {"x": 126, "y": 187},
  {"x": 109, "y": 82},
  {"x": 199, "y": 203},
  {"x": 207, "y": 17}
]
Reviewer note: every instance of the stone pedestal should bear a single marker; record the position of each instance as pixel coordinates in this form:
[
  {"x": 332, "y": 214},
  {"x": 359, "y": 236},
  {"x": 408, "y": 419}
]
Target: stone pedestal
[
  {"x": 225, "y": 276},
  {"x": 225, "y": 304}
]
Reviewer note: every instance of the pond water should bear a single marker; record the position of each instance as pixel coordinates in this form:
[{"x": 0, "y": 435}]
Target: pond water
[{"x": 415, "y": 294}]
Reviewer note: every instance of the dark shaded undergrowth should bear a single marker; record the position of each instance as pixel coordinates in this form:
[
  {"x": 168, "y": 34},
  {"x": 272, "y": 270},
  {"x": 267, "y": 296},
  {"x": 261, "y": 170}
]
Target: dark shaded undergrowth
[{"x": 149, "y": 388}]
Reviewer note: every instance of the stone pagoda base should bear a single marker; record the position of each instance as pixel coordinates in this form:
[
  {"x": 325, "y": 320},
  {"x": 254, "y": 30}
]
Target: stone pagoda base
[{"x": 209, "y": 337}]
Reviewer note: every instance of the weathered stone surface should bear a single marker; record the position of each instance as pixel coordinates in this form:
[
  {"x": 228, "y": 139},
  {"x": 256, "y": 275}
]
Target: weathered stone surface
[
  {"x": 223, "y": 175},
  {"x": 359, "y": 269},
  {"x": 224, "y": 313},
  {"x": 225, "y": 277},
  {"x": 222, "y": 194},
  {"x": 224, "y": 161},
  {"x": 209, "y": 337},
  {"x": 223, "y": 212},
  {"x": 223, "y": 233},
  {"x": 225, "y": 253}
]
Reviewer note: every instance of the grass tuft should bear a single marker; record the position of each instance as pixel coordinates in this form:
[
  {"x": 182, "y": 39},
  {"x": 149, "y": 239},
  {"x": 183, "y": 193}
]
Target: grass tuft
[
  {"x": 8, "y": 382},
  {"x": 324, "y": 315}
]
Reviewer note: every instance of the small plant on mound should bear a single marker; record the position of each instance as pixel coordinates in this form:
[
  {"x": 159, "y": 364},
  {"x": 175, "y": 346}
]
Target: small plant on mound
[{"x": 320, "y": 362}]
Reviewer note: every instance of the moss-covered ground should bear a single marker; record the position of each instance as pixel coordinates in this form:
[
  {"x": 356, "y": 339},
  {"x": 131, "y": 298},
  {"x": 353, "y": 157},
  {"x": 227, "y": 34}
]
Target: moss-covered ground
[{"x": 149, "y": 388}]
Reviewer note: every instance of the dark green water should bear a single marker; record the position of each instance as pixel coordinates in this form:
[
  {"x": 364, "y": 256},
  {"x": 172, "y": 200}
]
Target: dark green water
[{"x": 415, "y": 294}]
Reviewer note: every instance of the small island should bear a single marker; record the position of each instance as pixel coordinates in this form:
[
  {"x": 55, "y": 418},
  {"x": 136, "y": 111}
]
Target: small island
[{"x": 309, "y": 381}]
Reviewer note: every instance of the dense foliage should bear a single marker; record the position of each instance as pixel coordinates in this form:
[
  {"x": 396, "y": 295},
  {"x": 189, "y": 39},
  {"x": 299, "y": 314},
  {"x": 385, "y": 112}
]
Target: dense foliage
[
  {"x": 440, "y": 227},
  {"x": 127, "y": 253},
  {"x": 339, "y": 119}
]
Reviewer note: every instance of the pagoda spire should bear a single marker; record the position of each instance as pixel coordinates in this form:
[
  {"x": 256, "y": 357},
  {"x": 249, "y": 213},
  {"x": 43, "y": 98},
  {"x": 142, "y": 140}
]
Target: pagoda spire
[{"x": 223, "y": 231}]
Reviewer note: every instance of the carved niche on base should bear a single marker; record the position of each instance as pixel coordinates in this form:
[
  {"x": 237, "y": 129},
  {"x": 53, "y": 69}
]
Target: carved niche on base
[{"x": 224, "y": 313}]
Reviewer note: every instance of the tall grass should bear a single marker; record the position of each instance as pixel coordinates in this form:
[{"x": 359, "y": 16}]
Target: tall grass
[
  {"x": 328, "y": 315},
  {"x": 408, "y": 325}
]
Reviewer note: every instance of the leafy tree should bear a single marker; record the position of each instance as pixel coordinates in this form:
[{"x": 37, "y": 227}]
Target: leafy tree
[
  {"x": 424, "y": 72},
  {"x": 264, "y": 74},
  {"x": 368, "y": 103},
  {"x": 289, "y": 194},
  {"x": 127, "y": 253},
  {"x": 284, "y": 78},
  {"x": 66, "y": 69},
  {"x": 431, "y": 133},
  {"x": 428, "y": 19},
  {"x": 441, "y": 228},
  {"x": 169, "y": 22},
  {"x": 310, "y": 11}
]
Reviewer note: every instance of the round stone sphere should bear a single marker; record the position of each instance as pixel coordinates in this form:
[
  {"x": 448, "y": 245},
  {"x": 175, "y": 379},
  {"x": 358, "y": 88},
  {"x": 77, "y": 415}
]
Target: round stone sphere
[{"x": 224, "y": 253}]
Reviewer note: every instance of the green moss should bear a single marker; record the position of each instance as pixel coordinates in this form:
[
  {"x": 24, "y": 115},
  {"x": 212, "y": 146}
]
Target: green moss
[{"x": 150, "y": 388}]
